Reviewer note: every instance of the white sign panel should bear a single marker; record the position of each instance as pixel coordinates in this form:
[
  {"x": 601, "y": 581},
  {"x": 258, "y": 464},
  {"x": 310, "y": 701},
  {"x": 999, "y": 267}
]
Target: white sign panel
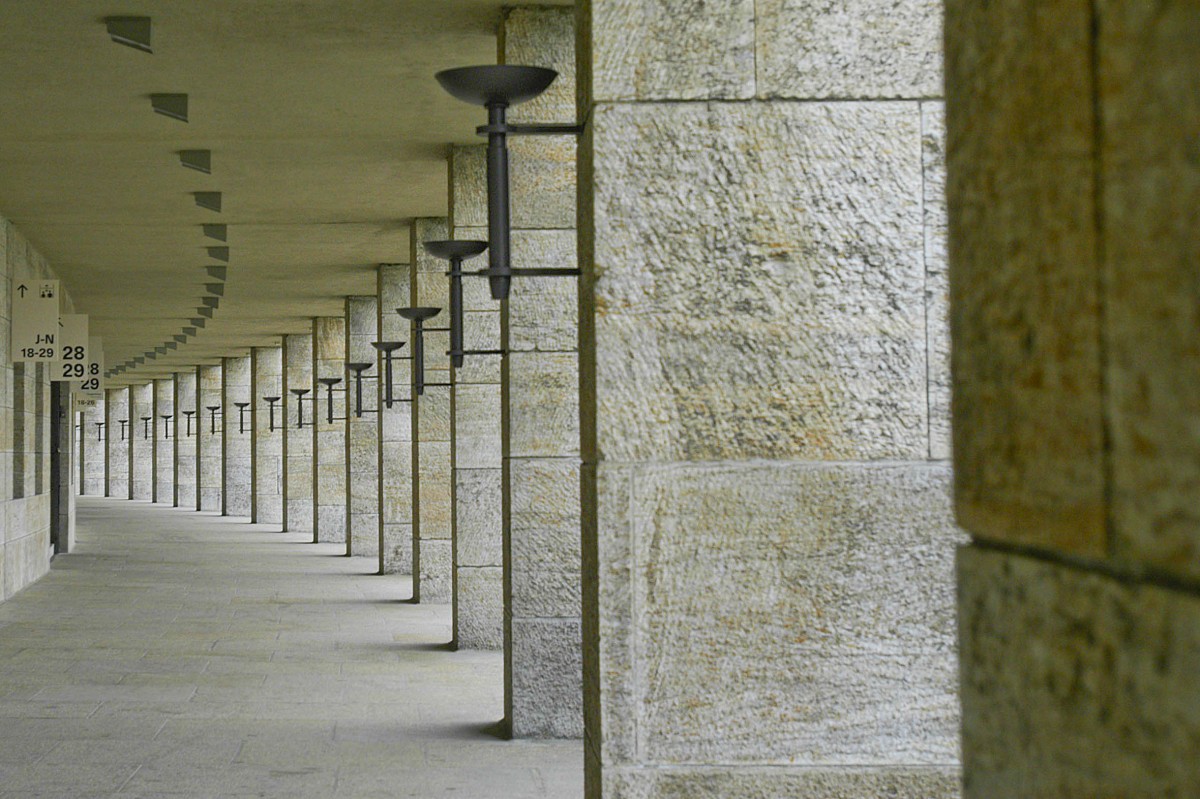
[
  {"x": 71, "y": 363},
  {"x": 93, "y": 377},
  {"x": 34, "y": 320}
]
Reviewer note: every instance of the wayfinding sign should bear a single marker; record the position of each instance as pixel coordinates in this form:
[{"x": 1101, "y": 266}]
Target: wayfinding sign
[
  {"x": 72, "y": 344},
  {"x": 92, "y": 384},
  {"x": 34, "y": 320}
]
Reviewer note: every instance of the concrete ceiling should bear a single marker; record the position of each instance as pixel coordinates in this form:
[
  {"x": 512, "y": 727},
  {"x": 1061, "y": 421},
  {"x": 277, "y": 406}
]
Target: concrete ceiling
[{"x": 327, "y": 131}]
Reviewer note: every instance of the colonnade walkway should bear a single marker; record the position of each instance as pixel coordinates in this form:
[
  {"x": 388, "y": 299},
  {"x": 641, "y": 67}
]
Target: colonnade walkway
[{"x": 176, "y": 653}]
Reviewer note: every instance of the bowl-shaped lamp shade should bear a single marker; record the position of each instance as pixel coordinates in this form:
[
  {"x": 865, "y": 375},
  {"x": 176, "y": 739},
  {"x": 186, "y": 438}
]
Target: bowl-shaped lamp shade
[{"x": 507, "y": 84}]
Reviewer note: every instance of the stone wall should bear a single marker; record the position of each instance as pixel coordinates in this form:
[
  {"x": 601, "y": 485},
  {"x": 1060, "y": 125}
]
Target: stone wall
[
  {"x": 187, "y": 437},
  {"x": 117, "y": 445},
  {"x": 394, "y": 289},
  {"x": 164, "y": 441},
  {"x": 141, "y": 443},
  {"x": 24, "y": 432},
  {"x": 475, "y": 417},
  {"x": 298, "y": 441},
  {"x": 329, "y": 438},
  {"x": 540, "y": 388},
  {"x": 1073, "y": 184},
  {"x": 236, "y": 437},
  {"x": 432, "y": 479},
  {"x": 768, "y": 547},
  {"x": 209, "y": 445},
  {"x": 267, "y": 455},
  {"x": 362, "y": 439}
]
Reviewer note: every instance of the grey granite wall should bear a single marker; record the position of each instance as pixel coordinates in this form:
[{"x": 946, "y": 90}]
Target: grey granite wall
[
  {"x": 141, "y": 443},
  {"x": 236, "y": 437},
  {"x": 540, "y": 387},
  {"x": 298, "y": 441},
  {"x": 768, "y": 545},
  {"x": 1073, "y": 183},
  {"x": 116, "y": 446},
  {"x": 210, "y": 473},
  {"x": 432, "y": 479},
  {"x": 475, "y": 422},
  {"x": 187, "y": 438},
  {"x": 267, "y": 456},
  {"x": 394, "y": 284},
  {"x": 163, "y": 432},
  {"x": 362, "y": 438},
  {"x": 329, "y": 438}
]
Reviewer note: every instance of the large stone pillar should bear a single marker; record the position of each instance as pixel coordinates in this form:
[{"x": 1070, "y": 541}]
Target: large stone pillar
[
  {"x": 298, "y": 441},
  {"x": 266, "y": 379},
  {"x": 540, "y": 394},
  {"x": 362, "y": 433},
  {"x": 432, "y": 557},
  {"x": 329, "y": 438},
  {"x": 236, "y": 435},
  {"x": 768, "y": 547},
  {"x": 116, "y": 447},
  {"x": 394, "y": 289},
  {"x": 141, "y": 442},
  {"x": 475, "y": 417},
  {"x": 1073, "y": 184},
  {"x": 163, "y": 431},
  {"x": 186, "y": 435},
  {"x": 210, "y": 475}
]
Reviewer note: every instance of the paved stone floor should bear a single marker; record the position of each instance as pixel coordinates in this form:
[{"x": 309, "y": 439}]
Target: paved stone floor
[{"x": 183, "y": 654}]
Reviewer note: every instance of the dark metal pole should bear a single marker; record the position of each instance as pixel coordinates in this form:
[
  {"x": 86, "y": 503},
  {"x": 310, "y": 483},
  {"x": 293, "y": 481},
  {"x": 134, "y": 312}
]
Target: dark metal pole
[
  {"x": 418, "y": 356},
  {"x": 456, "y": 313},
  {"x": 498, "y": 214}
]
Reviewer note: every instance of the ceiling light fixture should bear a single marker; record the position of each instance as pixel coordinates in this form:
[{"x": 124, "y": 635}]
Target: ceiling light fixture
[
  {"x": 130, "y": 31},
  {"x": 199, "y": 160},
  {"x": 174, "y": 106}
]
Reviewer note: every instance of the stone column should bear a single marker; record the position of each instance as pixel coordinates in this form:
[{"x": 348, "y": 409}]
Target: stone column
[
  {"x": 540, "y": 387},
  {"x": 266, "y": 380},
  {"x": 94, "y": 450},
  {"x": 164, "y": 441},
  {"x": 141, "y": 442},
  {"x": 362, "y": 438},
  {"x": 432, "y": 557},
  {"x": 395, "y": 426},
  {"x": 187, "y": 437},
  {"x": 210, "y": 474},
  {"x": 236, "y": 436},
  {"x": 329, "y": 438},
  {"x": 298, "y": 441},
  {"x": 475, "y": 417},
  {"x": 116, "y": 448},
  {"x": 1073, "y": 183},
  {"x": 768, "y": 546}
]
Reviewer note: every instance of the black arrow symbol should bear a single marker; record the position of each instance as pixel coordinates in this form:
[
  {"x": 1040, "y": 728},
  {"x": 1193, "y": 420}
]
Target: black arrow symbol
[{"x": 22, "y": 288}]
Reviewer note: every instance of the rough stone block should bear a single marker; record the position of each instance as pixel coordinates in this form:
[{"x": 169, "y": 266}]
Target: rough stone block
[
  {"x": 543, "y": 401},
  {"x": 547, "y": 674},
  {"x": 781, "y": 315},
  {"x": 843, "y": 650},
  {"x": 856, "y": 49},
  {"x": 479, "y": 614},
  {"x": 675, "y": 50},
  {"x": 544, "y": 537},
  {"x": 1075, "y": 684},
  {"x": 477, "y": 426},
  {"x": 937, "y": 282},
  {"x": 478, "y": 516},
  {"x": 435, "y": 480},
  {"x": 1151, "y": 187},
  {"x": 436, "y": 569},
  {"x": 698, "y": 781}
]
